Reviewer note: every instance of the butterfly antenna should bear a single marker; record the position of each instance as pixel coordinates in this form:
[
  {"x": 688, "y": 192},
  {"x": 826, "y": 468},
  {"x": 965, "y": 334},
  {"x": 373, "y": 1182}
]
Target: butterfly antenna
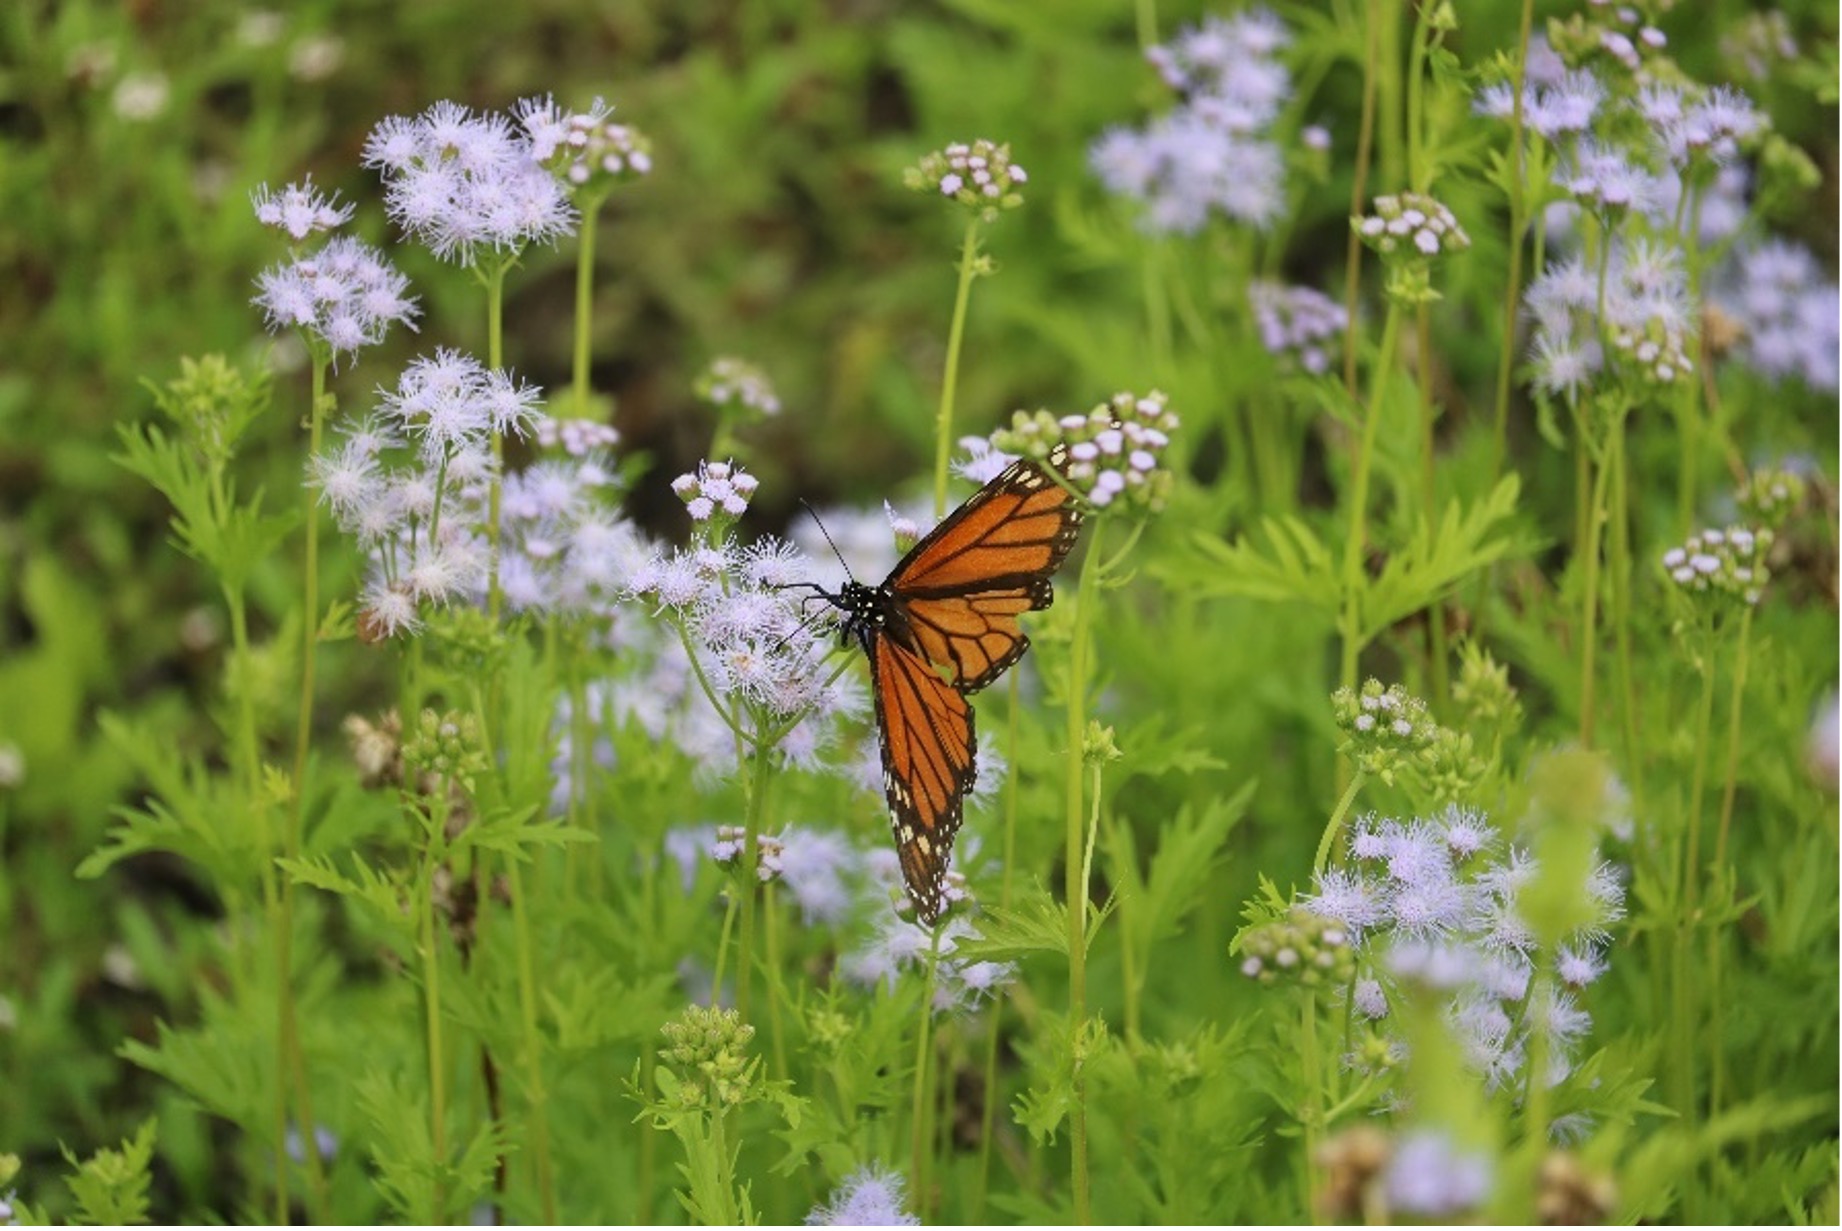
[{"x": 828, "y": 539}]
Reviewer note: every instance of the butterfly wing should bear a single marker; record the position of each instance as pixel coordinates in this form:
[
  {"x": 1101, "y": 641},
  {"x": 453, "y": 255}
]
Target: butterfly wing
[
  {"x": 960, "y": 590},
  {"x": 928, "y": 746}
]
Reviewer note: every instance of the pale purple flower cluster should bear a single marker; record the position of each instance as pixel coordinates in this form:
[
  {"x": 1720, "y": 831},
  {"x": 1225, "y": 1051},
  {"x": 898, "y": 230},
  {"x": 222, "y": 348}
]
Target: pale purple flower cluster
[
  {"x": 979, "y": 176},
  {"x": 1114, "y": 452},
  {"x": 1428, "y": 900},
  {"x": 344, "y": 296},
  {"x": 564, "y": 546},
  {"x": 1215, "y": 153},
  {"x": 1298, "y": 323},
  {"x": 751, "y": 640},
  {"x": 1787, "y": 307},
  {"x": 299, "y": 210},
  {"x": 410, "y": 485},
  {"x": 899, "y": 945},
  {"x": 1646, "y": 316},
  {"x": 1730, "y": 562},
  {"x": 715, "y": 491},
  {"x": 871, "y": 1196},
  {"x": 1556, "y": 110},
  {"x": 465, "y": 183}
]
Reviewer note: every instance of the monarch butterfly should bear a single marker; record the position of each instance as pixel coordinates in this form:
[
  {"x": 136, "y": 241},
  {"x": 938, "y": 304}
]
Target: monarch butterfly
[{"x": 942, "y": 625}]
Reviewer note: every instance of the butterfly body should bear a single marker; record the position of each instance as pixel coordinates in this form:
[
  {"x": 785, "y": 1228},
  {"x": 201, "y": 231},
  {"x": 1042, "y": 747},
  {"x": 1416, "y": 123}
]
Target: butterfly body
[{"x": 944, "y": 625}]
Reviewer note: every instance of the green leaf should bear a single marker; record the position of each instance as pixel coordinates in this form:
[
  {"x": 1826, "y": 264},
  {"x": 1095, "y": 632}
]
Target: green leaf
[
  {"x": 110, "y": 1186},
  {"x": 1430, "y": 567}
]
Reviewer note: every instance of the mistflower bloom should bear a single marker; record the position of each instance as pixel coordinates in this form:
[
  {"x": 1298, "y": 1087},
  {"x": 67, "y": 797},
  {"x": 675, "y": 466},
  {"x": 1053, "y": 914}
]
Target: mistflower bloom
[
  {"x": 898, "y": 945},
  {"x": 1785, "y": 303},
  {"x": 1646, "y": 317},
  {"x": 735, "y": 384},
  {"x": 869, "y": 1197},
  {"x": 584, "y": 438},
  {"x": 1233, "y": 59},
  {"x": 343, "y": 297},
  {"x": 1411, "y": 223},
  {"x": 1726, "y": 563},
  {"x": 590, "y": 151},
  {"x": 1757, "y": 42},
  {"x": 1711, "y": 127},
  {"x": 299, "y": 209},
  {"x": 980, "y": 176},
  {"x": 1557, "y": 111},
  {"x": 715, "y": 491},
  {"x": 451, "y": 401},
  {"x": 1186, "y": 166},
  {"x": 1298, "y": 324},
  {"x": 731, "y": 844},
  {"x": 1115, "y": 451},
  {"x": 1770, "y": 495},
  {"x": 1431, "y": 1177},
  {"x": 815, "y": 865},
  {"x": 983, "y": 462},
  {"x": 463, "y": 184},
  {"x": 1607, "y": 180}
]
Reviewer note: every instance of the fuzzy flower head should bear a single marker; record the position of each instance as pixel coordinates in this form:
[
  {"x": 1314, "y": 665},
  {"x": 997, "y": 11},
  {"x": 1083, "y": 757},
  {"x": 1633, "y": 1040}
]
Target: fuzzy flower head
[
  {"x": 979, "y": 176},
  {"x": 1643, "y": 311},
  {"x": 451, "y": 402},
  {"x": 716, "y": 495},
  {"x": 1114, "y": 453},
  {"x": 1234, "y": 59},
  {"x": 1557, "y": 111},
  {"x": 1784, "y": 302},
  {"x": 736, "y": 387},
  {"x": 900, "y": 947},
  {"x": 1299, "y": 325},
  {"x": 343, "y": 297},
  {"x": 870, "y": 1197},
  {"x": 299, "y": 210},
  {"x": 466, "y": 184},
  {"x": 1721, "y": 565},
  {"x": 1430, "y": 1176},
  {"x": 1188, "y": 166}
]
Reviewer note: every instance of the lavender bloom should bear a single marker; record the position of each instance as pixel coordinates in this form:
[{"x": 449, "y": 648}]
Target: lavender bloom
[
  {"x": 984, "y": 461},
  {"x": 899, "y": 945},
  {"x": 1430, "y": 1176},
  {"x": 1298, "y": 324},
  {"x": 979, "y": 176},
  {"x": 814, "y": 865},
  {"x": 869, "y": 1197},
  {"x": 1189, "y": 164},
  {"x": 344, "y": 296},
  {"x": 1786, "y": 305},
  {"x": 731, "y": 383},
  {"x": 463, "y": 183},
  {"x": 1647, "y": 319},
  {"x": 715, "y": 491},
  {"x": 1411, "y": 223},
  {"x": 1557, "y": 110},
  {"x": 1115, "y": 451},
  {"x": 1230, "y": 59},
  {"x": 299, "y": 209}
]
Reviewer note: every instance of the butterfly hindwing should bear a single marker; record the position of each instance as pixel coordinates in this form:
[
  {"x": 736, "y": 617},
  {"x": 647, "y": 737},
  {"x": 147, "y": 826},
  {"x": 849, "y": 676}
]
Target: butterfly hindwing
[{"x": 928, "y": 748}]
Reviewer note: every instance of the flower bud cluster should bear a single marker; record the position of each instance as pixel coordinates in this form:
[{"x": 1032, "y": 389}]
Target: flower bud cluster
[
  {"x": 1483, "y": 690},
  {"x": 447, "y": 746},
  {"x": 1303, "y": 947},
  {"x": 732, "y": 844},
  {"x": 707, "y": 1049},
  {"x": 1114, "y": 452},
  {"x": 1729, "y": 562},
  {"x": 731, "y": 384},
  {"x": 1383, "y": 728},
  {"x": 980, "y": 176},
  {"x": 716, "y": 492},
  {"x": 1770, "y": 495},
  {"x": 1410, "y": 224},
  {"x": 1298, "y": 324}
]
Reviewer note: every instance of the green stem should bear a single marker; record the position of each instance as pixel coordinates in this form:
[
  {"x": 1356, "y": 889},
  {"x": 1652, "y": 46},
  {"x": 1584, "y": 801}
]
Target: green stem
[
  {"x": 293, "y": 1062},
  {"x": 924, "y": 1040},
  {"x": 493, "y": 274},
  {"x": 1328, "y": 842},
  {"x": 1717, "y": 948},
  {"x": 536, "y": 1094},
  {"x": 1589, "y": 601},
  {"x": 1518, "y": 223},
  {"x": 1011, "y": 743},
  {"x": 722, "y": 950},
  {"x": 949, "y": 383},
  {"x": 1359, "y": 497},
  {"x": 1621, "y": 605},
  {"x": 751, "y": 862},
  {"x": 585, "y": 303},
  {"x": 1147, "y": 11},
  {"x": 1313, "y": 1110},
  {"x": 1359, "y": 186},
  {"x": 1075, "y": 885},
  {"x": 1440, "y": 669},
  {"x": 431, "y": 979}
]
